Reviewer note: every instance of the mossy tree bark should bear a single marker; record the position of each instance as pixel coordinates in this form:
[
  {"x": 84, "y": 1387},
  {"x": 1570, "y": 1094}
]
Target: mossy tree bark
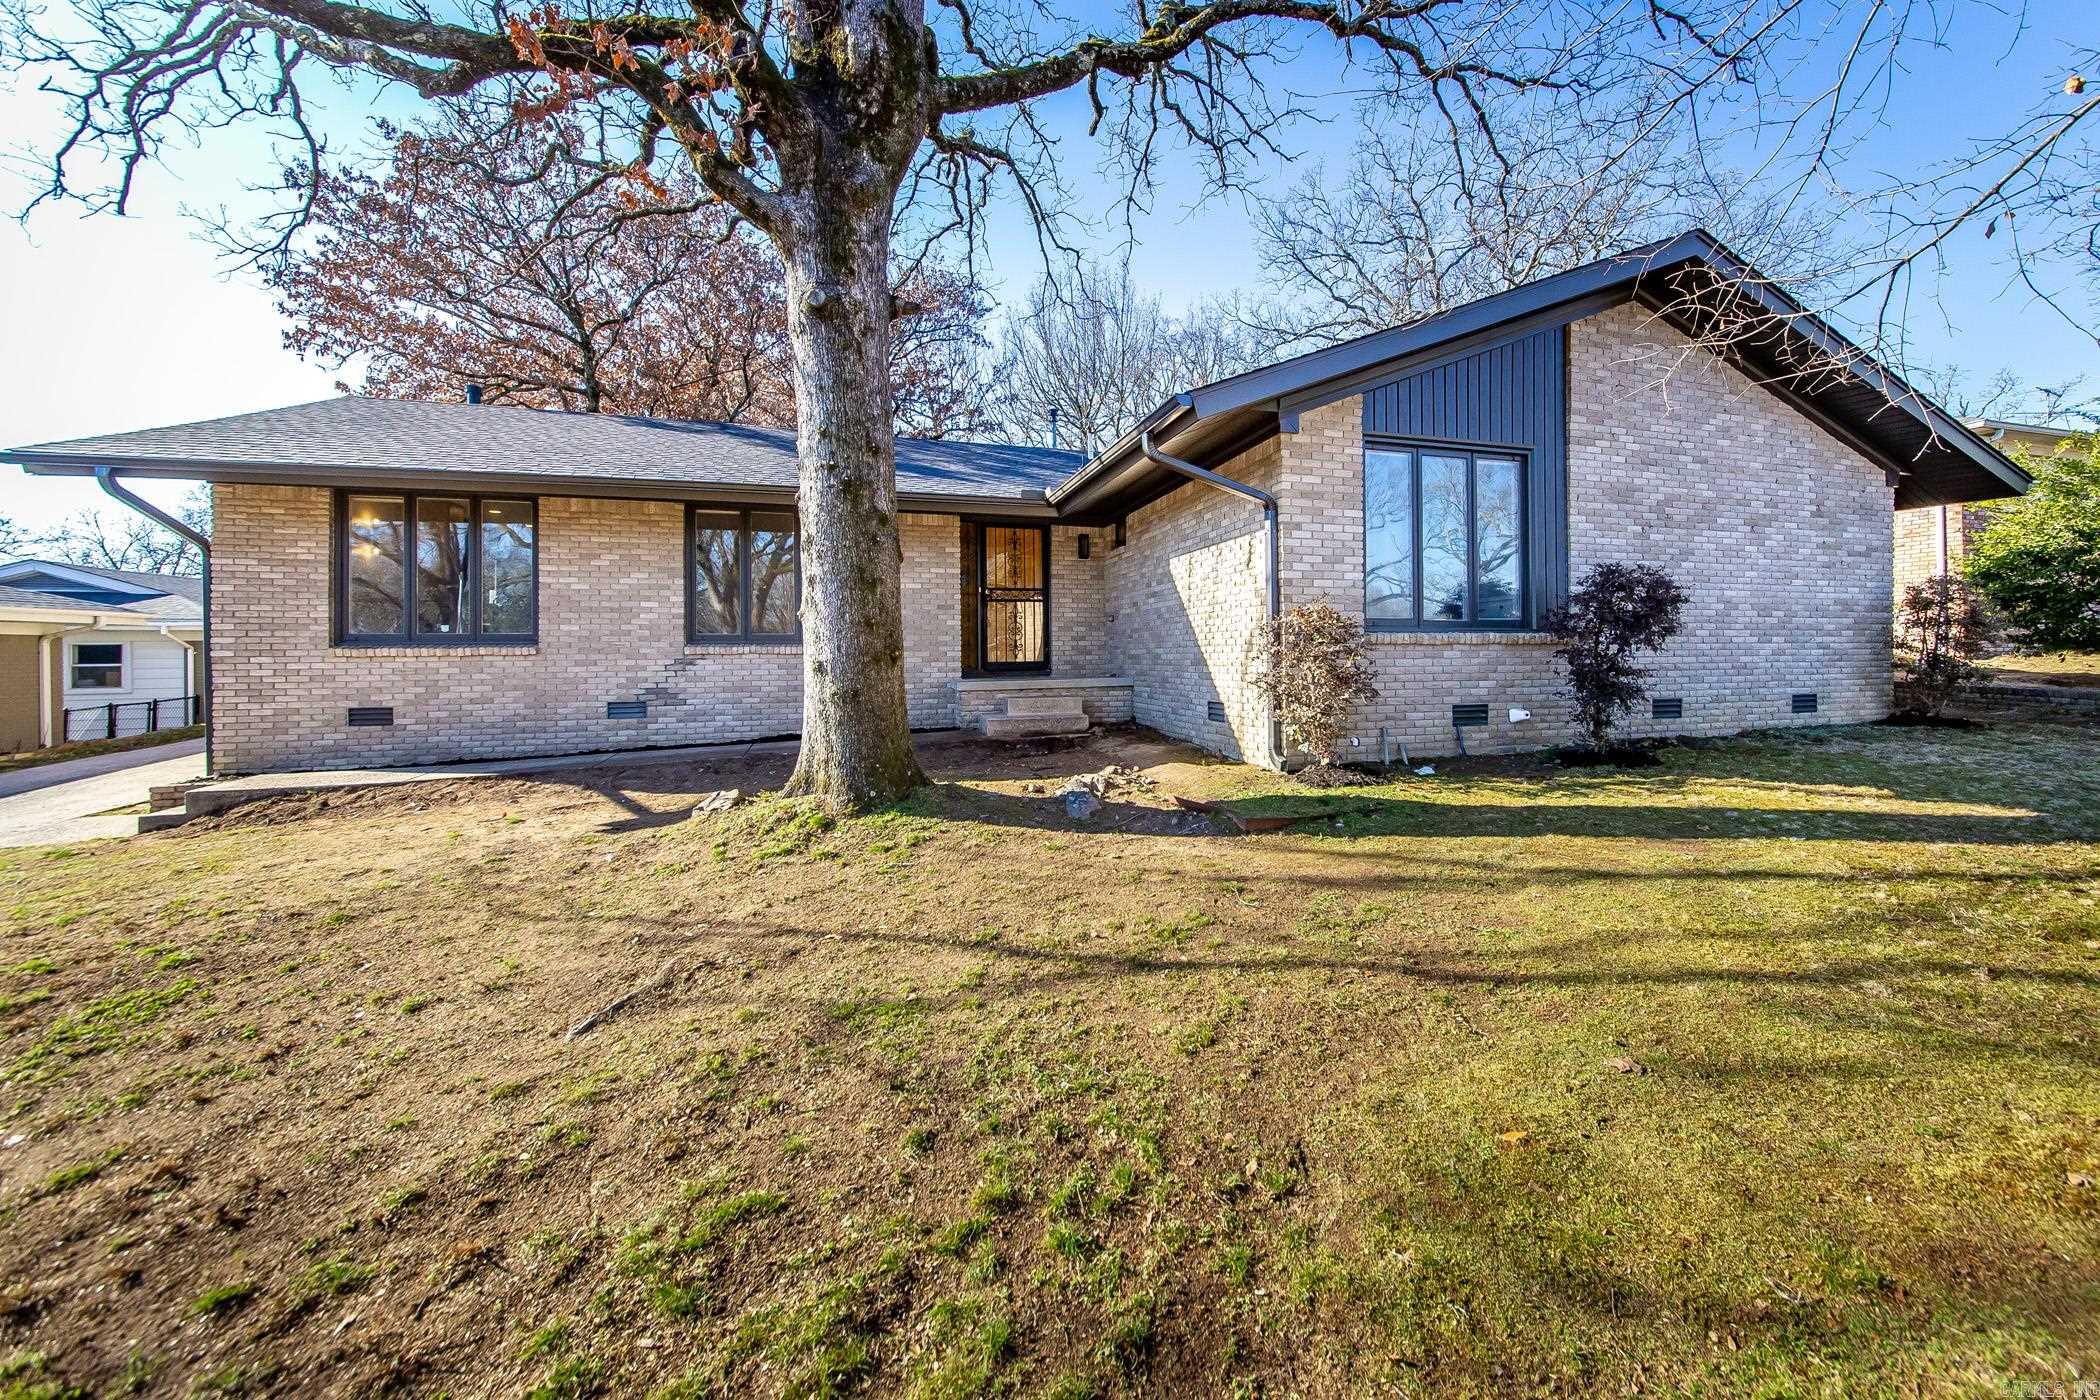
[{"x": 866, "y": 79}]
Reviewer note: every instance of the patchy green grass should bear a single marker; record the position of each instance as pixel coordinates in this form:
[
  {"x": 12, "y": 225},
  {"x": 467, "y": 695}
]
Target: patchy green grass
[{"x": 1772, "y": 1071}]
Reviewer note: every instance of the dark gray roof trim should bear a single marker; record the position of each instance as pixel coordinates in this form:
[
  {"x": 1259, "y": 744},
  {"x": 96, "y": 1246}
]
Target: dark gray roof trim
[
  {"x": 1939, "y": 457},
  {"x": 361, "y": 441}
]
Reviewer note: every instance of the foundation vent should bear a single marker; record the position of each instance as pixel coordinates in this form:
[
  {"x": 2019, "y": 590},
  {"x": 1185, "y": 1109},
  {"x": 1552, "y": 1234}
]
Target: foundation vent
[
  {"x": 1215, "y": 711},
  {"x": 371, "y": 716},
  {"x": 1804, "y": 702},
  {"x": 626, "y": 709},
  {"x": 1469, "y": 716},
  {"x": 1667, "y": 707}
]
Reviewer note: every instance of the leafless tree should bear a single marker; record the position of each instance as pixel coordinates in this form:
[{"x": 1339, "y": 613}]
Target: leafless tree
[
  {"x": 122, "y": 539},
  {"x": 2032, "y": 189},
  {"x": 1411, "y": 228},
  {"x": 815, "y": 122},
  {"x": 2071, "y": 402},
  {"x": 1090, "y": 355}
]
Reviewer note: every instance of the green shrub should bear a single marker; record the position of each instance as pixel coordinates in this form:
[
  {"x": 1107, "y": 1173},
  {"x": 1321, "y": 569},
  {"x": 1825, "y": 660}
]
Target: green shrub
[{"x": 2038, "y": 558}]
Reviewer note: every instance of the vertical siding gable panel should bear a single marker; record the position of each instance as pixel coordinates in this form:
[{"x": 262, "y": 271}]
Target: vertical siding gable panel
[{"x": 1511, "y": 394}]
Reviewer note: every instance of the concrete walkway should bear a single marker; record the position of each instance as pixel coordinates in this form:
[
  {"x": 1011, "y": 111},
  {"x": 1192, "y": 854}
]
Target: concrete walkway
[
  {"x": 66, "y": 810},
  {"x": 52, "y": 774},
  {"x": 218, "y": 797}
]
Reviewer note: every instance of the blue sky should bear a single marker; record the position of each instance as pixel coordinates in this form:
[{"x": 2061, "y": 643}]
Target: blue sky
[{"x": 110, "y": 324}]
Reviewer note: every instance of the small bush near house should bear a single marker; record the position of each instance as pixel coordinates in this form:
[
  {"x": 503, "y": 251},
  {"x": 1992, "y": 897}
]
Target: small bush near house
[
  {"x": 1942, "y": 628},
  {"x": 1315, "y": 668},
  {"x": 2038, "y": 560},
  {"x": 1616, "y": 611}
]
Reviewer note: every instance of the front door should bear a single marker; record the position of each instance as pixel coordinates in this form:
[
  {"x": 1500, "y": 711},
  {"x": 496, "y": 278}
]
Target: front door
[{"x": 1013, "y": 598}]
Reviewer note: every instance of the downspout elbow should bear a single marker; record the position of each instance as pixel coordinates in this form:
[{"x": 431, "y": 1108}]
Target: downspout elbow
[
  {"x": 106, "y": 477},
  {"x": 1267, "y": 502}
]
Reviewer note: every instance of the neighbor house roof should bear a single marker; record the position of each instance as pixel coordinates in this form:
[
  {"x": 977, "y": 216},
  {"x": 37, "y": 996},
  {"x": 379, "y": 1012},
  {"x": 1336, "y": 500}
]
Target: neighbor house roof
[
  {"x": 1691, "y": 281},
  {"x": 55, "y": 611},
  {"x": 176, "y": 599},
  {"x": 363, "y": 441}
]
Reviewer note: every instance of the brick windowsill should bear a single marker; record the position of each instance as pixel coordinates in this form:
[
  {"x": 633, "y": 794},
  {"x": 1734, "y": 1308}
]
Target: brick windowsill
[
  {"x": 743, "y": 648},
  {"x": 434, "y": 653},
  {"x": 1460, "y": 639}
]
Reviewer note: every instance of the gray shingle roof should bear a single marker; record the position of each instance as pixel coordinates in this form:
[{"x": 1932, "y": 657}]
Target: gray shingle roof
[
  {"x": 11, "y": 597},
  {"x": 166, "y": 609},
  {"x": 185, "y": 586},
  {"x": 402, "y": 435}
]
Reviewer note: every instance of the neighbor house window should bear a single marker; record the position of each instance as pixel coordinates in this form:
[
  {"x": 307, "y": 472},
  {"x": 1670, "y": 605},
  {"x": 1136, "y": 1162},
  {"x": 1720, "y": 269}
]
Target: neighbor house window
[
  {"x": 1443, "y": 538},
  {"x": 437, "y": 570},
  {"x": 98, "y": 666},
  {"x": 743, "y": 575}
]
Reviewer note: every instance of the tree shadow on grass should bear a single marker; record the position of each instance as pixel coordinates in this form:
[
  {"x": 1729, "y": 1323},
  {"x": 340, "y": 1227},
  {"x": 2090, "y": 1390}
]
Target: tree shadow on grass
[{"x": 1376, "y": 816}]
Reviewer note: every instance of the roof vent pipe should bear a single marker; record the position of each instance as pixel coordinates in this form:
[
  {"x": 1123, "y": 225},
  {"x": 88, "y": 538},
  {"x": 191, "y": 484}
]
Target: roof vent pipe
[
  {"x": 1053, "y": 429},
  {"x": 473, "y": 393}
]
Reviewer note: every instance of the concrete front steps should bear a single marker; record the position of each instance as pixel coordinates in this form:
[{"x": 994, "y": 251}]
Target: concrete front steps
[{"x": 1037, "y": 717}]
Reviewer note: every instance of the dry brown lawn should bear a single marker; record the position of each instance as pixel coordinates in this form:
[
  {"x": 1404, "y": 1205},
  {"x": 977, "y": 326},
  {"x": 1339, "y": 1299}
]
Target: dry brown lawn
[{"x": 1769, "y": 1071}]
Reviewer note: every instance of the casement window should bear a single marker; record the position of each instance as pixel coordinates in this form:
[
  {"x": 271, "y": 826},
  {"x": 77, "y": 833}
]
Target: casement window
[
  {"x": 436, "y": 570},
  {"x": 1444, "y": 531},
  {"x": 97, "y": 666},
  {"x": 743, "y": 573}
]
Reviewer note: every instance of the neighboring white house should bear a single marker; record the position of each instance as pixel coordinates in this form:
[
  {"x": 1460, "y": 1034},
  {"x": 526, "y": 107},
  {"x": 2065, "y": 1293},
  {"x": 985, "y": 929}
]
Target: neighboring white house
[{"x": 87, "y": 653}]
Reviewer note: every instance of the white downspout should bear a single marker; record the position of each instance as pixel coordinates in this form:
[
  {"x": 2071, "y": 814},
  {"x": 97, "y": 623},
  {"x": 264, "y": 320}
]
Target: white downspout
[
  {"x": 189, "y": 658},
  {"x": 50, "y": 678}
]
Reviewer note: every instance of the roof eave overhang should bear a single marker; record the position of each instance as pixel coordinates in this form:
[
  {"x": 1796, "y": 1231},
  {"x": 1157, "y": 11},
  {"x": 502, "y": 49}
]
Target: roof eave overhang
[
  {"x": 66, "y": 617},
  {"x": 1282, "y": 391},
  {"x": 1842, "y": 355},
  {"x": 523, "y": 483}
]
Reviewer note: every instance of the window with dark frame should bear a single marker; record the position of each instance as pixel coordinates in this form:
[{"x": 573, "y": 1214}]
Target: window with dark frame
[
  {"x": 436, "y": 569},
  {"x": 1444, "y": 531},
  {"x": 743, "y": 575},
  {"x": 97, "y": 666}
]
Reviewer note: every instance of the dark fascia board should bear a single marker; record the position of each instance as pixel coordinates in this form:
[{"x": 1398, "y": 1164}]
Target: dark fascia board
[
  {"x": 1336, "y": 371},
  {"x": 1318, "y": 367},
  {"x": 496, "y": 483},
  {"x": 1157, "y": 423},
  {"x": 1447, "y": 352},
  {"x": 1798, "y": 320}
]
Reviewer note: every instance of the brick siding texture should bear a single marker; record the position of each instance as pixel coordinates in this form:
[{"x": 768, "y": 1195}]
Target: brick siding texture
[
  {"x": 1187, "y": 598},
  {"x": 612, "y": 627},
  {"x": 1918, "y": 548},
  {"x": 1078, "y": 603},
  {"x": 1779, "y": 535}
]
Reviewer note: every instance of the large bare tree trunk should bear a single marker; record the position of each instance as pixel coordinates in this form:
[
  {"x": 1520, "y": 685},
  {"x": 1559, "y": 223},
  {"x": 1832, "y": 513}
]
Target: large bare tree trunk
[{"x": 856, "y": 738}]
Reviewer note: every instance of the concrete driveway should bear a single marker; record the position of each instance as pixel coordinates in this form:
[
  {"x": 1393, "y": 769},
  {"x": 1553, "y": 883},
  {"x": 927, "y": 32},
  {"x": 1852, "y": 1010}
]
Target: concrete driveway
[{"x": 59, "y": 801}]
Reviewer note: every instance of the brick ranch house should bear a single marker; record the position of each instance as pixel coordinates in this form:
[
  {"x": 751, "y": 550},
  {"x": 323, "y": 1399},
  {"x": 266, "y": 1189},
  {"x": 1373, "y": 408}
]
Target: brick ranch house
[{"x": 398, "y": 582}]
